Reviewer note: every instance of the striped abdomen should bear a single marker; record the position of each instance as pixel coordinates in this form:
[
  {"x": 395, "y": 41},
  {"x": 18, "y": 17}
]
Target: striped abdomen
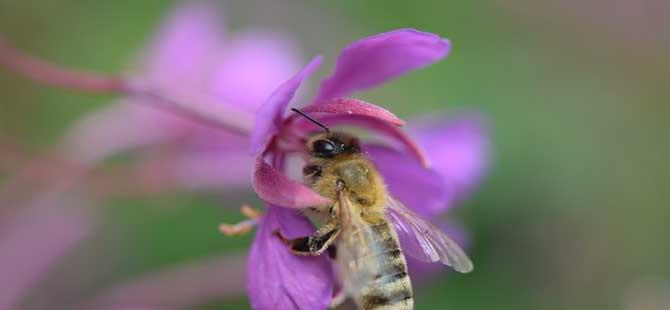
[{"x": 379, "y": 273}]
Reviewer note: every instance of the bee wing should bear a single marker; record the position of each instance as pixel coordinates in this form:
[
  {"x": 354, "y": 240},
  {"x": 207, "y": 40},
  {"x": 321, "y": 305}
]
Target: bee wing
[
  {"x": 424, "y": 241},
  {"x": 355, "y": 242}
]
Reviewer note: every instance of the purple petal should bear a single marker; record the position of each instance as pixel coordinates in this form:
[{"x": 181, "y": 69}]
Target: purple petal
[
  {"x": 36, "y": 238},
  {"x": 347, "y": 106},
  {"x": 417, "y": 187},
  {"x": 185, "y": 46},
  {"x": 458, "y": 149},
  {"x": 190, "y": 170},
  {"x": 276, "y": 188},
  {"x": 219, "y": 171},
  {"x": 376, "y": 59},
  {"x": 118, "y": 128},
  {"x": 255, "y": 64},
  {"x": 278, "y": 279},
  {"x": 270, "y": 116}
]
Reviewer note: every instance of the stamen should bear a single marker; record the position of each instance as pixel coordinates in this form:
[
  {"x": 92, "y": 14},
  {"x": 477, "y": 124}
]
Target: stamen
[
  {"x": 203, "y": 110},
  {"x": 250, "y": 212},
  {"x": 245, "y": 226},
  {"x": 238, "y": 229}
]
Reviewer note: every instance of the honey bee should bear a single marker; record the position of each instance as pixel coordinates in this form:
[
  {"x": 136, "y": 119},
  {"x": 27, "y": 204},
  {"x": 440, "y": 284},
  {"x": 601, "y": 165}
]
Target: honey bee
[{"x": 360, "y": 229}]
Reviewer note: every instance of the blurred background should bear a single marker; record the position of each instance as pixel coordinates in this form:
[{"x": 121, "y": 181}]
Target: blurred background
[{"x": 572, "y": 214}]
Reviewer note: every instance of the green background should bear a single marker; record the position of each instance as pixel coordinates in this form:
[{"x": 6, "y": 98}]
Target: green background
[{"x": 573, "y": 213}]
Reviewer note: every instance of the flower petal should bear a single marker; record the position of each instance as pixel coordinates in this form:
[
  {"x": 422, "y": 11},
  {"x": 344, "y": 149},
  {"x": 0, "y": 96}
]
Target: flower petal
[
  {"x": 254, "y": 65},
  {"x": 278, "y": 279},
  {"x": 376, "y": 59},
  {"x": 118, "y": 128},
  {"x": 350, "y": 106},
  {"x": 221, "y": 172},
  {"x": 458, "y": 148},
  {"x": 276, "y": 188},
  {"x": 218, "y": 171},
  {"x": 182, "y": 51},
  {"x": 417, "y": 187},
  {"x": 270, "y": 115}
]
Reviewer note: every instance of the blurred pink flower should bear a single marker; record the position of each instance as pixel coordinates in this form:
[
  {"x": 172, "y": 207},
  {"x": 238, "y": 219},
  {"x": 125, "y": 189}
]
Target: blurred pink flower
[
  {"x": 191, "y": 59},
  {"x": 273, "y": 278},
  {"x": 194, "y": 60}
]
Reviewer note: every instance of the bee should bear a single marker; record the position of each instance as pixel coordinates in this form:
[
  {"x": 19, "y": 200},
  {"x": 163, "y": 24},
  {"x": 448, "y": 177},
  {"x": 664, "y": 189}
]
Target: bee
[{"x": 360, "y": 229}]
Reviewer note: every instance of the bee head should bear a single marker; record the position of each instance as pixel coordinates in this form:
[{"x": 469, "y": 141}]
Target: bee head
[{"x": 331, "y": 144}]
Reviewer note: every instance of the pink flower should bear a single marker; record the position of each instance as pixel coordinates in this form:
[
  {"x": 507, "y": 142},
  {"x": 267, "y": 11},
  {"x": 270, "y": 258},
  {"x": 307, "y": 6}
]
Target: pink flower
[
  {"x": 190, "y": 62},
  {"x": 193, "y": 60},
  {"x": 277, "y": 278}
]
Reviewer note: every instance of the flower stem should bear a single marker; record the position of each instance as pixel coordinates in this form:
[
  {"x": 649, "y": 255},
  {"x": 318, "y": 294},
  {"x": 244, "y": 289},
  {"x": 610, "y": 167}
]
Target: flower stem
[
  {"x": 38, "y": 70},
  {"x": 52, "y": 75}
]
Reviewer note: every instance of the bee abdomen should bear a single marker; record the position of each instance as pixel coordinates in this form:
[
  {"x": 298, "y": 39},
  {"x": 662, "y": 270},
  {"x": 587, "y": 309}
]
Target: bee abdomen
[
  {"x": 392, "y": 295},
  {"x": 391, "y": 288}
]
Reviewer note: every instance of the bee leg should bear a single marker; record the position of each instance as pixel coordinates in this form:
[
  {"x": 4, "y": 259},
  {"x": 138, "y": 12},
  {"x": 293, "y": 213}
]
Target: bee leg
[
  {"x": 332, "y": 252},
  {"x": 242, "y": 227},
  {"x": 313, "y": 245},
  {"x": 298, "y": 246}
]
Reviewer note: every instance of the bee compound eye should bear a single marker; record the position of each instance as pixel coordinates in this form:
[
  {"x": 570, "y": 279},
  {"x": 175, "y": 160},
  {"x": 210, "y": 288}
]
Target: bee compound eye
[{"x": 324, "y": 147}]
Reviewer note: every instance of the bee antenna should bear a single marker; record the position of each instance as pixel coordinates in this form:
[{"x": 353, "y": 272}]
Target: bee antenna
[{"x": 311, "y": 119}]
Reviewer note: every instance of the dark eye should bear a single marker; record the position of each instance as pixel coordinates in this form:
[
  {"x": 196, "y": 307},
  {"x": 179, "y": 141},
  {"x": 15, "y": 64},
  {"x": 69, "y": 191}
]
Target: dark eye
[{"x": 324, "y": 147}]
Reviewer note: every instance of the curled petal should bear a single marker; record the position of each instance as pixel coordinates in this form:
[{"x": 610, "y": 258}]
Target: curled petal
[
  {"x": 372, "y": 123},
  {"x": 278, "y": 279},
  {"x": 348, "y": 106},
  {"x": 458, "y": 148},
  {"x": 417, "y": 187},
  {"x": 270, "y": 115},
  {"x": 376, "y": 59},
  {"x": 276, "y": 188}
]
